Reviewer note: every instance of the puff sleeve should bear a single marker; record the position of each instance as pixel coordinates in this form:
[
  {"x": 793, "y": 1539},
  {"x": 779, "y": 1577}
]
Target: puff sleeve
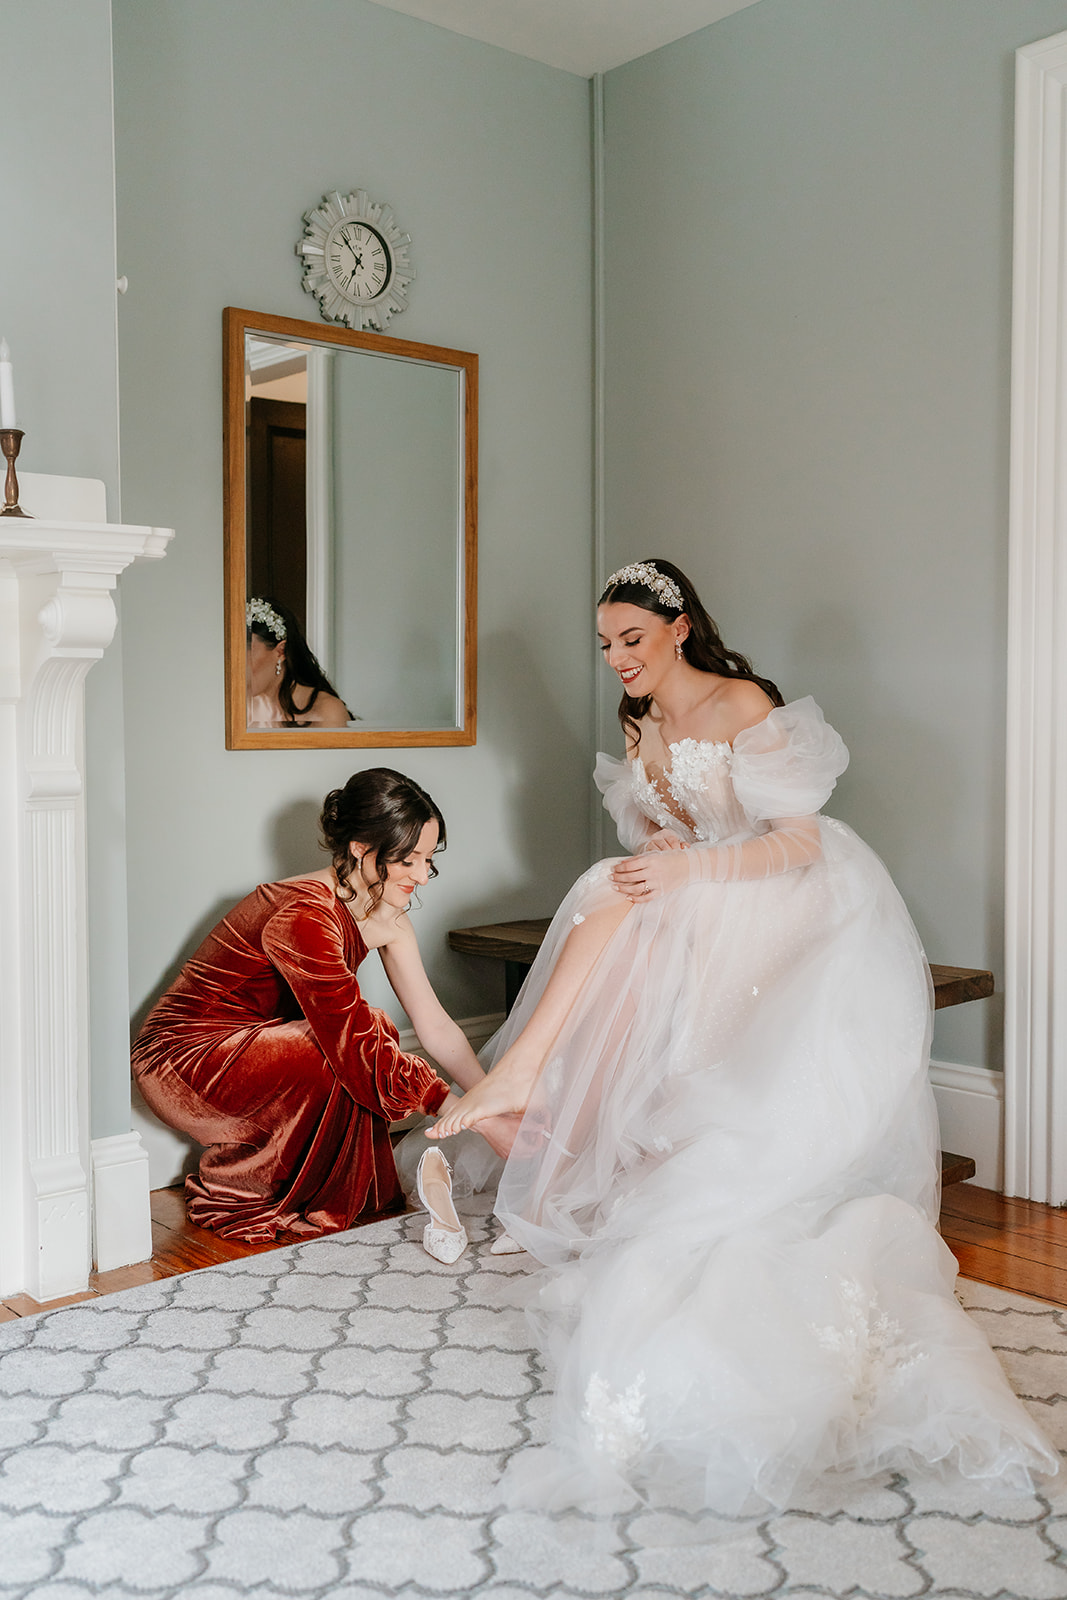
[
  {"x": 614, "y": 779},
  {"x": 787, "y": 765}
]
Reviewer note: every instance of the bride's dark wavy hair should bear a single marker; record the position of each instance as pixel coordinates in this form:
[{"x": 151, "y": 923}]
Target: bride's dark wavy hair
[
  {"x": 383, "y": 810},
  {"x": 703, "y": 648},
  {"x": 300, "y": 667}
]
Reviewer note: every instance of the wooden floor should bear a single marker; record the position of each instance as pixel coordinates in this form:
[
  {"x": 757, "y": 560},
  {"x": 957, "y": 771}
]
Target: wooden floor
[{"x": 1014, "y": 1244}]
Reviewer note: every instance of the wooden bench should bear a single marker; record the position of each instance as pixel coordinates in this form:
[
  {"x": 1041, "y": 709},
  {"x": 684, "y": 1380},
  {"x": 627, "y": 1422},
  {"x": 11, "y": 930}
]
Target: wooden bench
[{"x": 517, "y": 943}]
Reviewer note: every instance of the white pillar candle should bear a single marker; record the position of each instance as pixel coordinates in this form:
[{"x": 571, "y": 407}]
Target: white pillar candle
[{"x": 7, "y": 388}]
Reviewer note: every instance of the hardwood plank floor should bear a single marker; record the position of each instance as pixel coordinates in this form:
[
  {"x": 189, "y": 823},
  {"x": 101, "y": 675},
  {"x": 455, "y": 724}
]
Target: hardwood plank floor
[{"x": 1014, "y": 1244}]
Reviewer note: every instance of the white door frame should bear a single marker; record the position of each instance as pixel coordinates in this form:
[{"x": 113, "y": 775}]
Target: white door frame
[{"x": 1035, "y": 1131}]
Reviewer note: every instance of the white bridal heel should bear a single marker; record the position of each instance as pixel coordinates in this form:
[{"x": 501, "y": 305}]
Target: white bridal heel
[{"x": 444, "y": 1236}]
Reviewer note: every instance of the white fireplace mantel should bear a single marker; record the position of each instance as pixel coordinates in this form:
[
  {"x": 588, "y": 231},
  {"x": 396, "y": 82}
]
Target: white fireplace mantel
[{"x": 57, "y": 617}]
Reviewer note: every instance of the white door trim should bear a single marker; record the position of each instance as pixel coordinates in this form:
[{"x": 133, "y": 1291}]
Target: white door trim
[{"x": 1035, "y": 1134}]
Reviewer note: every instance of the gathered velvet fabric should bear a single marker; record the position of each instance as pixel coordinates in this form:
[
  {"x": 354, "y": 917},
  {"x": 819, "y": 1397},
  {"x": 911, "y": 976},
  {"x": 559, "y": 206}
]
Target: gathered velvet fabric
[{"x": 265, "y": 1051}]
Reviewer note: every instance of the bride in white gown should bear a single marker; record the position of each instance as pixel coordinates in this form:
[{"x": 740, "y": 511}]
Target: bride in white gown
[{"x": 721, "y": 1052}]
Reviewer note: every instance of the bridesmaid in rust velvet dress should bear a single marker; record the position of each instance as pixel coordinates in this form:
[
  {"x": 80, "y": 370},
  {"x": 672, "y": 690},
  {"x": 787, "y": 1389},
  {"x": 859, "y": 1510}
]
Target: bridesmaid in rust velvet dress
[{"x": 265, "y": 1051}]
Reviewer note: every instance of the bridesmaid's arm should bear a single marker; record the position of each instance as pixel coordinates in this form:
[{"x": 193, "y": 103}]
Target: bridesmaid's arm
[{"x": 438, "y": 1034}]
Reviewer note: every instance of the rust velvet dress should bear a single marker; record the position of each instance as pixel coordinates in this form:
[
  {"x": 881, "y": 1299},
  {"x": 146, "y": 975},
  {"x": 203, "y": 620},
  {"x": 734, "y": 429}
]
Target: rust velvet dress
[{"x": 265, "y": 1051}]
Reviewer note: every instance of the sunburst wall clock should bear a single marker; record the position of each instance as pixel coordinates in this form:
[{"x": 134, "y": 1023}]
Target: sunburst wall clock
[{"x": 356, "y": 260}]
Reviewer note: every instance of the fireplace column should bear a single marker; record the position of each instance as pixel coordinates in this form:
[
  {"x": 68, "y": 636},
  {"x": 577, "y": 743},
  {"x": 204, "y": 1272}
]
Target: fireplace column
[{"x": 57, "y": 618}]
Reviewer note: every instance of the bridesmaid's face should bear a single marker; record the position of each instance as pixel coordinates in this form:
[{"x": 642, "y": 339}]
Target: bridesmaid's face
[
  {"x": 403, "y": 877},
  {"x": 638, "y": 645}
]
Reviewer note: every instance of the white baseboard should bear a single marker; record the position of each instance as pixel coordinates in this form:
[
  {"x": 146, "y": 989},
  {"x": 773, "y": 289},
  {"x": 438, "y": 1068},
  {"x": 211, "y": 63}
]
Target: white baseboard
[
  {"x": 122, "y": 1223},
  {"x": 970, "y": 1110}
]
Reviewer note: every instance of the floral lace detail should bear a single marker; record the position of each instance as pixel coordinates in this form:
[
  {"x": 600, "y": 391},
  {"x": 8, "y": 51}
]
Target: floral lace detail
[
  {"x": 617, "y": 1421},
  {"x": 648, "y": 796},
  {"x": 870, "y": 1345},
  {"x": 690, "y": 761}
]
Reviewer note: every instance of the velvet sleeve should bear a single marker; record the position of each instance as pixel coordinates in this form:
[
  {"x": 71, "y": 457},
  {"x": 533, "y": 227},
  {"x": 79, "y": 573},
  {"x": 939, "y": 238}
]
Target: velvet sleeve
[{"x": 305, "y": 944}]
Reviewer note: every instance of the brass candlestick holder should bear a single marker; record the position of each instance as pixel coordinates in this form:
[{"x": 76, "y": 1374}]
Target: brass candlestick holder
[{"x": 10, "y": 441}]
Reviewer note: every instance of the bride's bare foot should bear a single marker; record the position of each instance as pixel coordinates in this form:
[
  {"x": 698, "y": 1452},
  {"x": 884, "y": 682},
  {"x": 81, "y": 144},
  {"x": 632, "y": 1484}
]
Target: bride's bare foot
[{"x": 503, "y": 1091}]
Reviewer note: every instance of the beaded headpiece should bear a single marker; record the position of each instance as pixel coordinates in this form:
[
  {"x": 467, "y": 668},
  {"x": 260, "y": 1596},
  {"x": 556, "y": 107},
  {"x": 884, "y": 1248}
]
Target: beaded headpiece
[
  {"x": 260, "y": 611},
  {"x": 649, "y": 577}
]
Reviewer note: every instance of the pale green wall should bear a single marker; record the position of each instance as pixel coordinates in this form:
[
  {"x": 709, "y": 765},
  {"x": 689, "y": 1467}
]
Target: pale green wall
[
  {"x": 808, "y": 271},
  {"x": 57, "y": 312},
  {"x": 232, "y": 118},
  {"x": 807, "y": 405}
]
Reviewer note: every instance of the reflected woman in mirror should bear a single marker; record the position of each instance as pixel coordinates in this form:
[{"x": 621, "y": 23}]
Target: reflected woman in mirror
[
  {"x": 265, "y": 1051},
  {"x": 286, "y": 686}
]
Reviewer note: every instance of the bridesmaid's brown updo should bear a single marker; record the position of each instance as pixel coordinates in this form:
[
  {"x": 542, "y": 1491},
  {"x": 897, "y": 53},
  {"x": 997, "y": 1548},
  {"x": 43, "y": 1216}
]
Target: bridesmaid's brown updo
[{"x": 383, "y": 810}]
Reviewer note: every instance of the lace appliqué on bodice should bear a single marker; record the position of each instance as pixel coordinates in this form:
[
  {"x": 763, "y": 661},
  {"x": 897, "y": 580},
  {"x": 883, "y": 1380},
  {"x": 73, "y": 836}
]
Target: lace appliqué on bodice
[{"x": 687, "y": 793}]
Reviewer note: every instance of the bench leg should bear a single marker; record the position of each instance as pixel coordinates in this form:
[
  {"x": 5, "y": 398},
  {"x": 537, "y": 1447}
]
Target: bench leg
[{"x": 514, "y": 978}]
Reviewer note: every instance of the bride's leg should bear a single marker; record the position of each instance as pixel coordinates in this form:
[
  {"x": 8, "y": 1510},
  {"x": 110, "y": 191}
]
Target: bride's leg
[{"x": 508, "y": 1084}]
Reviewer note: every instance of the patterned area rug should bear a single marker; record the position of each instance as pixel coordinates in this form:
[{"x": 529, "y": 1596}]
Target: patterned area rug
[{"x": 330, "y": 1419}]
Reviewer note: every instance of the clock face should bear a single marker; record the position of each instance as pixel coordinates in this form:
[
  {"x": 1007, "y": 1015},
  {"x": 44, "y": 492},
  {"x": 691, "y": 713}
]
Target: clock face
[{"x": 358, "y": 260}]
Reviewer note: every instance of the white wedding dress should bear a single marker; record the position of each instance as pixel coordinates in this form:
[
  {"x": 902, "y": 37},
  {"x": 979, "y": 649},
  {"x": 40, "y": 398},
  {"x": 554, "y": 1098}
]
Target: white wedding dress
[{"x": 734, "y": 1181}]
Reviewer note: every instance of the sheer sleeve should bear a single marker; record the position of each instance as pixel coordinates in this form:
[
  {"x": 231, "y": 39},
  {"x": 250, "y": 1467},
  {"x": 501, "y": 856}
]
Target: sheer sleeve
[
  {"x": 306, "y": 945},
  {"x": 614, "y": 779},
  {"x": 783, "y": 771}
]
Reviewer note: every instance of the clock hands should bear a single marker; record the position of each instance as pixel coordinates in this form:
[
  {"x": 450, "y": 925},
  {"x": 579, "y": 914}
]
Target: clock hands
[{"x": 365, "y": 273}]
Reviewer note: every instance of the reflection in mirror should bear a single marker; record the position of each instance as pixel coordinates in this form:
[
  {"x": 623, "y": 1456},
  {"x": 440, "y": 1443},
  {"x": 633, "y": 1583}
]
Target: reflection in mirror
[{"x": 351, "y": 495}]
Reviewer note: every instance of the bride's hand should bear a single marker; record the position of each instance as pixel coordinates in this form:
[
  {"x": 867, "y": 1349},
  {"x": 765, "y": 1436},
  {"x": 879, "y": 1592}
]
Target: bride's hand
[
  {"x": 644, "y": 877},
  {"x": 664, "y": 839}
]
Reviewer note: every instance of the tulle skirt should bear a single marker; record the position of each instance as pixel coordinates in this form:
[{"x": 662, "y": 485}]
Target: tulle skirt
[{"x": 729, "y": 1170}]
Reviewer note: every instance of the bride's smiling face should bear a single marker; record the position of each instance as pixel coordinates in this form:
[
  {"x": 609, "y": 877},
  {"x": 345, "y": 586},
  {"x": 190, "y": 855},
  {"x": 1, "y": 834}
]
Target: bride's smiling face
[{"x": 639, "y": 645}]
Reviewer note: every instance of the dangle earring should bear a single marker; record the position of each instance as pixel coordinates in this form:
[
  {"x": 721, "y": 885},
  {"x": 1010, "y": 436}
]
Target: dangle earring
[
  {"x": 277, "y": 669},
  {"x": 678, "y": 649}
]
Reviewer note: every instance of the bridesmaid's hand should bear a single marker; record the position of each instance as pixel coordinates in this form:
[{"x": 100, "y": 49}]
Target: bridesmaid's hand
[{"x": 642, "y": 878}]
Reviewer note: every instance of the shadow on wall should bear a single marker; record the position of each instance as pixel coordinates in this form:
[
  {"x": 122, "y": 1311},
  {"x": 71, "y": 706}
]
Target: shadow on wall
[
  {"x": 294, "y": 839},
  {"x": 906, "y": 785},
  {"x": 544, "y": 841}
]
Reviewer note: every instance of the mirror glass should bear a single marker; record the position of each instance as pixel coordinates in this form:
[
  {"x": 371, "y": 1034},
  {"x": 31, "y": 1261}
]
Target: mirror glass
[{"x": 351, "y": 476}]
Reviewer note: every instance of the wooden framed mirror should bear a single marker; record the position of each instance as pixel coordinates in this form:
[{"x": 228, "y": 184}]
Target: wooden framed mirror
[{"x": 351, "y": 498}]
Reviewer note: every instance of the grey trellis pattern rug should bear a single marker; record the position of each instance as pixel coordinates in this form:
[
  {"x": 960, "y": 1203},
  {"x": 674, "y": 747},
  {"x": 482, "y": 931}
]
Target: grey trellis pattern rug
[{"x": 330, "y": 1419}]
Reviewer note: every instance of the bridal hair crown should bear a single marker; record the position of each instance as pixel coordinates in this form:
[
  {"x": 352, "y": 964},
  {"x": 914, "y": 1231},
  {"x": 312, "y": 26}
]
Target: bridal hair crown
[
  {"x": 260, "y": 611},
  {"x": 649, "y": 577}
]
